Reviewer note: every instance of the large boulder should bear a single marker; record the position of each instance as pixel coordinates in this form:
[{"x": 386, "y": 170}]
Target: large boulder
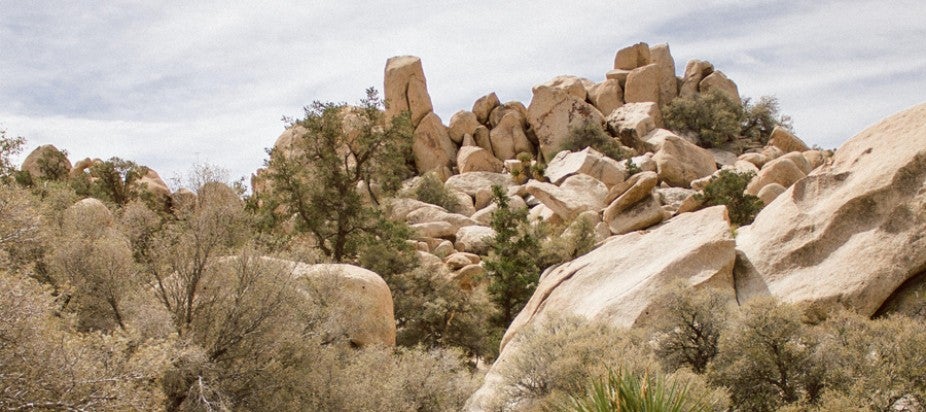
[
  {"x": 577, "y": 194},
  {"x": 462, "y": 123},
  {"x": 679, "y": 161},
  {"x": 852, "y": 231},
  {"x": 508, "y": 137},
  {"x": 782, "y": 171},
  {"x": 47, "y": 162},
  {"x": 720, "y": 82},
  {"x": 477, "y": 159},
  {"x": 631, "y": 57},
  {"x": 643, "y": 84},
  {"x": 483, "y": 107},
  {"x": 668, "y": 84},
  {"x": 786, "y": 141},
  {"x": 432, "y": 147},
  {"x": 406, "y": 89},
  {"x": 638, "y": 216},
  {"x": 632, "y": 121},
  {"x": 472, "y": 182},
  {"x": 588, "y": 161},
  {"x": 695, "y": 71},
  {"x": 606, "y": 96},
  {"x": 618, "y": 281},
  {"x": 553, "y": 113},
  {"x": 360, "y": 301},
  {"x": 574, "y": 85}
]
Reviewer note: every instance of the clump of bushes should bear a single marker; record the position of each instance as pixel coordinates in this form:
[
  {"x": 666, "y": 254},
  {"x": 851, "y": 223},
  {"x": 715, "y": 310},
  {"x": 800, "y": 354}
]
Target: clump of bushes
[
  {"x": 591, "y": 134},
  {"x": 431, "y": 190},
  {"x": 715, "y": 119},
  {"x": 728, "y": 188}
]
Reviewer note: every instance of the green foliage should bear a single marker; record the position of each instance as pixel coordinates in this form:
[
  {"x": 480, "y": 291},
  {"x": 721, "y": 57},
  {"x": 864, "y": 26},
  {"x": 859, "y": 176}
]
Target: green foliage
[
  {"x": 687, "y": 326},
  {"x": 561, "y": 244},
  {"x": 591, "y": 134},
  {"x": 511, "y": 264},
  {"x": 631, "y": 167},
  {"x": 761, "y": 118},
  {"x": 9, "y": 147},
  {"x": 625, "y": 392},
  {"x": 728, "y": 189},
  {"x": 324, "y": 178},
  {"x": 113, "y": 181},
  {"x": 431, "y": 190},
  {"x": 712, "y": 117}
]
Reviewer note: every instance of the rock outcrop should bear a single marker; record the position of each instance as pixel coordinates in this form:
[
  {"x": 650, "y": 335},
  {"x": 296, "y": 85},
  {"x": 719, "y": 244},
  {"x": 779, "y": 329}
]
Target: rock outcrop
[
  {"x": 553, "y": 113},
  {"x": 406, "y": 89},
  {"x": 47, "y": 162},
  {"x": 851, "y": 231}
]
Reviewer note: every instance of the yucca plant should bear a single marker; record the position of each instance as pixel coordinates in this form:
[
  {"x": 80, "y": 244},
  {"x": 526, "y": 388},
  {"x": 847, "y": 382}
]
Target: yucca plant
[{"x": 625, "y": 392}]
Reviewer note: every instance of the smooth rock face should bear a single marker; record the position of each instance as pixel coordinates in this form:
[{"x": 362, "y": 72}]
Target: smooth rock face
[
  {"x": 850, "y": 232},
  {"x": 695, "y": 71},
  {"x": 432, "y": 147},
  {"x": 508, "y": 138},
  {"x": 720, "y": 82},
  {"x": 588, "y": 161},
  {"x": 477, "y": 159},
  {"x": 362, "y": 300},
  {"x": 631, "y": 57},
  {"x": 679, "y": 162},
  {"x": 553, "y": 112},
  {"x": 668, "y": 84},
  {"x": 618, "y": 281},
  {"x": 483, "y": 107},
  {"x": 632, "y": 121},
  {"x": 782, "y": 171},
  {"x": 770, "y": 192},
  {"x": 786, "y": 141},
  {"x": 573, "y": 85},
  {"x": 643, "y": 84},
  {"x": 607, "y": 96},
  {"x": 577, "y": 194},
  {"x": 472, "y": 182},
  {"x": 406, "y": 89},
  {"x": 462, "y": 123},
  {"x": 501, "y": 110},
  {"x": 474, "y": 239},
  {"x": 640, "y": 215}
]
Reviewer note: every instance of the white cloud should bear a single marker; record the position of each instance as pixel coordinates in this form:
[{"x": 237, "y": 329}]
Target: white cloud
[{"x": 160, "y": 84}]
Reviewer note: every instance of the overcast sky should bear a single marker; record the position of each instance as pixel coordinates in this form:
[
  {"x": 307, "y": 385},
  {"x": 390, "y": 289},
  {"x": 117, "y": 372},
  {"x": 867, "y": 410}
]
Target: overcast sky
[{"x": 172, "y": 85}]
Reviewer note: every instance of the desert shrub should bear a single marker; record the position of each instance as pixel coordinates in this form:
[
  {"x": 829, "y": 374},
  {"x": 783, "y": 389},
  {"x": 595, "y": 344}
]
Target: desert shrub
[
  {"x": 9, "y": 146},
  {"x": 625, "y": 392},
  {"x": 431, "y": 190},
  {"x": 687, "y": 326},
  {"x": 728, "y": 188},
  {"x": 631, "y": 167},
  {"x": 765, "y": 358},
  {"x": 561, "y": 244},
  {"x": 591, "y": 134},
  {"x": 761, "y": 117},
  {"x": 711, "y": 117}
]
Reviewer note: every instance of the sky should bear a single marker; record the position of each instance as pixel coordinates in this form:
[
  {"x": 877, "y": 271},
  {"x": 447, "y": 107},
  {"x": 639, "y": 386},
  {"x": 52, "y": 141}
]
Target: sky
[{"x": 173, "y": 84}]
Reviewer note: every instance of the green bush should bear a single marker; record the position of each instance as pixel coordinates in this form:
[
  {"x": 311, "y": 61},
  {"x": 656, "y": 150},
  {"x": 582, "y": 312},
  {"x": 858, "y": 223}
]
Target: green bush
[
  {"x": 591, "y": 134},
  {"x": 431, "y": 190},
  {"x": 760, "y": 119},
  {"x": 712, "y": 117},
  {"x": 626, "y": 392},
  {"x": 728, "y": 189}
]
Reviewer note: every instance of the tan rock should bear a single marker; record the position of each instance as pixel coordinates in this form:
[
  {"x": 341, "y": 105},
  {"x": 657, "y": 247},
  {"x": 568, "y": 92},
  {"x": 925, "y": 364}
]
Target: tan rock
[
  {"x": 851, "y": 233},
  {"x": 577, "y": 194},
  {"x": 81, "y": 167},
  {"x": 483, "y": 107},
  {"x": 444, "y": 249},
  {"x": 406, "y": 89},
  {"x": 432, "y": 147},
  {"x": 631, "y": 191},
  {"x": 799, "y": 160},
  {"x": 428, "y": 214},
  {"x": 632, "y": 57},
  {"x": 678, "y": 162},
  {"x": 47, "y": 159},
  {"x": 472, "y": 182},
  {"x": 641, "y": 215},
  {"x": 643, "y": 85},
  {"x": 588, "y": 161},
  {"x": 426, "y": 259},
  {"x": 723, "y": 157},
  {"x": 770, "y": 191},
  {"x": 772, "y": 152},
  {"x": 758, "y": 159},
  {"x": 668, "y": 84},
  {"x": 483, "y": 138},
  {"x": 786, "y": 141},
  {"x": 456, "y": 261},
  {"x": 484, "y": 215},
  {"x": 468, "y": 277},
  {"x": 468, "y": 140},
  {"x": 399, "y": 208},
  {"x": 474, "y": 239},
  {"x": 573, "y": 85},
  {"x": 462, "y": 123},
  {"x": 618, "y": 74},
  {"x": 477, "y": 159},
  {"x": 152, "y": 185},
  {"x": 719, "y": 81},
  {"x": 542, "y": 213},
  {"x": 438, "y": 229},
  {"x": 513, "y": 106},
  {"x": 695, "y": 71},
  {"x": 553, "y": 113},
  {"x": 508, "y": 138},
  {"x": 690, "y": 204},
  {"x": 782, "y": 171},
  {"x": 745, "y": 167},
  {"x": 607, "y": 96},
  {"x": 815, "y": 158},
  {"x": 360, "y": 300},
  {"x": 632, "y": 121}
]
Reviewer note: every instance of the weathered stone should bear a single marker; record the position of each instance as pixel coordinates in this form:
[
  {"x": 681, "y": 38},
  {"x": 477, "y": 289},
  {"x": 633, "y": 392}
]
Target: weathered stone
[
  {"x": 607, "y": 96},
  {"x": 443, "y": 249},
  {"x": 477, "y": 159},
  {"x": 553, "y": 113},
  {"x": 631, "y": 191},
  {"x": 851, "y": 233},
  {"x": 438, "y": 229},
  {"x": 427, "y": 214},
  {"x": 474, "y": 239},
  {"x": 472, "y": 182},
  {"x": 678, "y": 162},
  {"x": 631, "y": 57},
  {"x": 695, "y": 71},
  {"x": 468, "y": 276},
  {"x": 690, "y": 204},
  {"x": 770, "y": 191},
  {"x": 618, "y": 74},
  {"x": 360, "y": 300},
  {"x": 815, "y": 158},
  {"x": 757, "y": 159},
  {"x": 786, "y": 141},
  {"x": 484, "y": 215},
  {"x": 542, "y": 213},
  {"x": 483, "y": 107},
  {"x": 588, "y": 161},
  {"x": 668, "y": 84},
  {"x": 510, "y": 107},
  {"x": 577, "y": 194},
  {"x": 483, "y": 139},
  {"x": 618, "y": 282},
  {"x": 799, "y": 160},
  {"x": 781, "y": 171},
  {"x": 508, "y": 138},
  {"x": 632, "y": 121},
  {"x": 462, "y": 123},
  {"x": 45, "y": 161},
  {"x": 719, "y": 81},
  {"x": 432, "y": 147},
  {"x": 641, "y": 215},
  {"x": 723, "y": 157},
  {"x": 573, "y": 85},
  {"x": 643, "y": 85},
  {"x": 406, "y": 89}
]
